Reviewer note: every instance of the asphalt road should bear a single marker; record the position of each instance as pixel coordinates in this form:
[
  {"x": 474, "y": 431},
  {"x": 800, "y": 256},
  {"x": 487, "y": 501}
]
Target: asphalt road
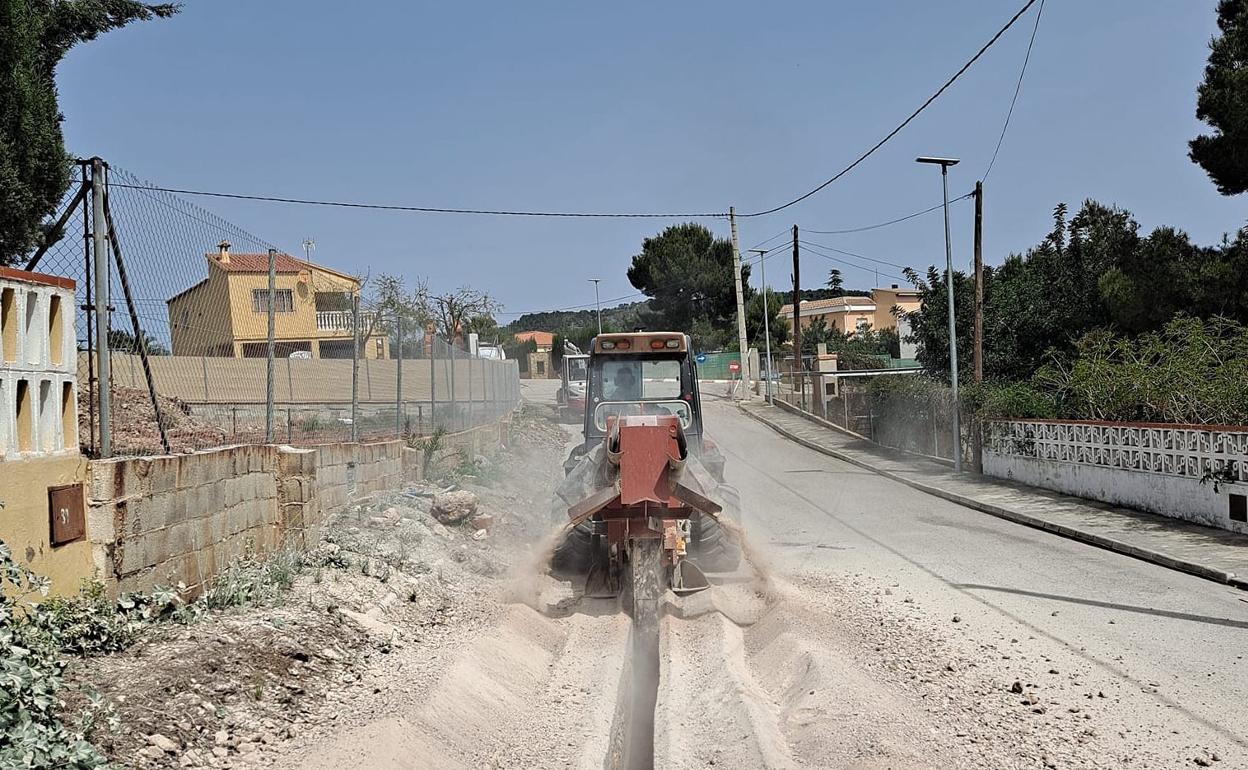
[
  {"x": 1176, "y": 639},
  {"x": 1166, "y": 647}
]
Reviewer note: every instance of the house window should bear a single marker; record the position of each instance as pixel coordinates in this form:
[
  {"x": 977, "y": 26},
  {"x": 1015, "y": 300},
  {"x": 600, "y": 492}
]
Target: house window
[{"x": 285, "y": 302}]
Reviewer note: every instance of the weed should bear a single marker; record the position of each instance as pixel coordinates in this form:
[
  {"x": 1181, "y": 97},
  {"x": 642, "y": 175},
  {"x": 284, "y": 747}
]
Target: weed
[{"x": 32, "y": 731}]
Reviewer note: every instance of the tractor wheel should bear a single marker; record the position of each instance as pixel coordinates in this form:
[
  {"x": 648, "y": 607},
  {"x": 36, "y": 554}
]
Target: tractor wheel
[
  {"x": 576, "y": 553},
  {"x": 714, "y": 548}
]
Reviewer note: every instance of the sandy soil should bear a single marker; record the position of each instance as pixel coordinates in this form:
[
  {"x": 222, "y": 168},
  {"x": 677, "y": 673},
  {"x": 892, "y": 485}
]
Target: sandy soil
[{"x": 466, "y": 656}]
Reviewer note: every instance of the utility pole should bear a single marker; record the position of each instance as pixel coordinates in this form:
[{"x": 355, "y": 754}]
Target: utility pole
[
  {"x": 597, "y": 303},
  {"x": 944, "y": 164},
  {"x": 979, "y": 282},
  {"x": 798, "y": 379},
  {"x": 762, "y": 277},
  {"x": 977, "y": 448},
  {"x": 741, "y": 337},
  {"x": 99, "y": 245},
  {"x": 268, "y": 378}
]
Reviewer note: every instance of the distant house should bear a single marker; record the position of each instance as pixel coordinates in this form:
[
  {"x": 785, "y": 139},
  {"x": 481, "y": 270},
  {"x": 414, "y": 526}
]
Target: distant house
[
  {"x": 852, "y": 314},
  {"x": 541, "y": 362},
  {"x": 226, "y": 314}
]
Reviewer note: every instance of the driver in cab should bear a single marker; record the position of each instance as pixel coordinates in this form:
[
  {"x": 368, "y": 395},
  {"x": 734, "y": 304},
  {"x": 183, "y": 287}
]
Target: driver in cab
[{"x": 624, "y": 386}]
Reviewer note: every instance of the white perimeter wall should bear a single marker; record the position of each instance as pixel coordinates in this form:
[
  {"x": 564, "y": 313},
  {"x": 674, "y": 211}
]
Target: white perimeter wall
[{"x": 1152, "y": 468}]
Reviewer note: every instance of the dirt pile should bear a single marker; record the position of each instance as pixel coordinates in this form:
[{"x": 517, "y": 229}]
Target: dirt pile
[
  {"x": 134, "y": 429},
  {"x": 380, "y": 609}
]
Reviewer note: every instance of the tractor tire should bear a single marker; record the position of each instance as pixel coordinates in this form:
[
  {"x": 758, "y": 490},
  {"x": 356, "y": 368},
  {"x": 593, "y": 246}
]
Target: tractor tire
[
  {"x": 714, "y": 549},
  {"x": 576, "y": 553}
]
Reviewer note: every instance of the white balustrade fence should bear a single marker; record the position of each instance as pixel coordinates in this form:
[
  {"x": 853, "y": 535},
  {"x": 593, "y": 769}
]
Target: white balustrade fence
[{"x": 1193, "y": 472}]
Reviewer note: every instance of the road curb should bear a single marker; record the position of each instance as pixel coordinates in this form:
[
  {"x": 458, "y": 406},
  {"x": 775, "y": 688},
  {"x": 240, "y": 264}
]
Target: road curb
[{"x": 1090, "y": 538}]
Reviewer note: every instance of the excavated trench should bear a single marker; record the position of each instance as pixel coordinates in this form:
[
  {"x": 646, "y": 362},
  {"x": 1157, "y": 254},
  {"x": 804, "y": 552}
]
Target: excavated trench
[
  {"x": 632, "y": 731},
  {"x": 631, "y": 744}
]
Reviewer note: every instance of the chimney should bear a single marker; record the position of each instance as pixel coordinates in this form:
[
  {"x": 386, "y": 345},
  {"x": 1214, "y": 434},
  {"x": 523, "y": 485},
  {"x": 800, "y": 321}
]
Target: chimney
[{"x": 223, "y": 254}]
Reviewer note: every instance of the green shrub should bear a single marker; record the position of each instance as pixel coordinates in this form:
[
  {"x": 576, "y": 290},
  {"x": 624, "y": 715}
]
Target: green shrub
[
  {"x": 1018, "y": 400},
  {"x": 32, "y": 731}
]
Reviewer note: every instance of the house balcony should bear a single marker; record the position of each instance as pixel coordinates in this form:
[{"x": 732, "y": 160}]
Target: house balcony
[{"x": 335, "y": 322}]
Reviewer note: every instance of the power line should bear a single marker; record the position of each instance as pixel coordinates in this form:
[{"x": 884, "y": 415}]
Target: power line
[
  {"x": 878, "y": 225},
  {"x": 571, "y": 308},
  {"x": 903, "y": 123},
  {"x": 1017, "y": 87},
  {"x": 426, "y": 209},
  {"x": 785, "y": 231},
  {"x": 851, "y": 254},
  {"x": 817, "y": 253}
]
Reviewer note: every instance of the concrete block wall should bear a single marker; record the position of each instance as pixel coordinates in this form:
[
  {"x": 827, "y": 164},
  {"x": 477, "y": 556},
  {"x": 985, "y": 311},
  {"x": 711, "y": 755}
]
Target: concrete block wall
[
  {"x": 347, "y": 471},
  {"x": 38, "y": 366},
  {"x": 181, "y": 518},
  {"x": 160, "y": 521}
]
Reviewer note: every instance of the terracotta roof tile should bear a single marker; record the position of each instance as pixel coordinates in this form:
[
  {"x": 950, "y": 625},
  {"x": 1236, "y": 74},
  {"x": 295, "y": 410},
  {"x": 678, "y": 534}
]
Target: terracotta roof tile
[{"x": 257, "y": 263}]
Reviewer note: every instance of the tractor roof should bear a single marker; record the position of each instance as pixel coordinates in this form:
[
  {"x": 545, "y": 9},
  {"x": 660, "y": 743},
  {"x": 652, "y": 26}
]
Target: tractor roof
[{"x": 641, "y": 343}]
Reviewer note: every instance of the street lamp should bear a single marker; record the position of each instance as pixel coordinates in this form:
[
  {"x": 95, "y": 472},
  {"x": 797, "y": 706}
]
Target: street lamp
[
  {"x": 762, "y": 269},
  {"x": 597, "y": 303},
  {"x": 944, "y": 164}
]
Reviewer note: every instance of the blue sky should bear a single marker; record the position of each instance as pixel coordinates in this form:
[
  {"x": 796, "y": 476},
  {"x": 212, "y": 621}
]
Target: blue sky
[{"x": 645, "y": 106}]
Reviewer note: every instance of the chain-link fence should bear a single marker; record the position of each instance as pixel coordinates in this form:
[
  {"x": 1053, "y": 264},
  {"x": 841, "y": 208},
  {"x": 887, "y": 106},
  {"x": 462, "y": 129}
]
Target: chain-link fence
[
  {"x": 914, "y": 415},
  {"x": 216, "y": 336}
]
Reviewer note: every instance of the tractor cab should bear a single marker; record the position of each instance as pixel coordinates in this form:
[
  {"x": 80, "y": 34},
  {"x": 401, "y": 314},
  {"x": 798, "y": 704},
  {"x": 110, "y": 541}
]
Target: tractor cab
[{"x": 641, "y": 373}]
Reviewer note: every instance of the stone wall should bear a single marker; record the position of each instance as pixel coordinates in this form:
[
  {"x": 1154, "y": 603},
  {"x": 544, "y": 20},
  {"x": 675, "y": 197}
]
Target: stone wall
[{"x": 1193, "y": 472}]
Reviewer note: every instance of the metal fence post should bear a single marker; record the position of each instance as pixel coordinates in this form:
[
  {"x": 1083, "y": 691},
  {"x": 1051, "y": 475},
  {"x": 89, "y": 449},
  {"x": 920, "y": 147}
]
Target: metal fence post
[
  {"x": 99, "y": 233},
  {"x": 268, "y": 375},
  {"x": 451, "y": 382},
  {"x": 433, "y": 382},
  {"x": 471, "y": 395},
  {"x": 398, "y": 379},
  {"x": 355, "y": 366}
]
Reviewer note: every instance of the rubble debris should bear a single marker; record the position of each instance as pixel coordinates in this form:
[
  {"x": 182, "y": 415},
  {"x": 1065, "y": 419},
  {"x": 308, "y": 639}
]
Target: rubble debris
[{"x": 454, "y": 507}]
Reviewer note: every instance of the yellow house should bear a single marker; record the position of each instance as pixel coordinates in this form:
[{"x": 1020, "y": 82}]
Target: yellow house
[
  {"x": 226, "y": 314},
  {"x": 851, "y": 314}
]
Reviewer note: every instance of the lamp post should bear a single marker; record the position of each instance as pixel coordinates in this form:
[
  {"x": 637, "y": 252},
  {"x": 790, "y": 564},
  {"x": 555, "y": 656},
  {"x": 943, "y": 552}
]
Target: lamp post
[
  {"x": 944, "y": 164},
  {"x": 762, "y": 269},
  {"x": 597, "y": 304}
]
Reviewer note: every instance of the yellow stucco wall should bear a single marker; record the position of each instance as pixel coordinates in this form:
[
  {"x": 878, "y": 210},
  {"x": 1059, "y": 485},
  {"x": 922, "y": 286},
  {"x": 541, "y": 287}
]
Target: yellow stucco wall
[
  {"x": 24, "y": 519},
  {"x": 199, "y": 324}
]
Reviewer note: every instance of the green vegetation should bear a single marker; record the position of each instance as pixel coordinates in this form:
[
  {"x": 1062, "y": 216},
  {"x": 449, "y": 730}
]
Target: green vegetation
[
  {"x": 1222, "y": 102},
  {"x": 688, "y": 274},
  {"x": 1191, "y": 371},
  {"x": 36, "y": 638},
  {"x": 1094, "y": 272},
  {"x": 34, "y": 167}
]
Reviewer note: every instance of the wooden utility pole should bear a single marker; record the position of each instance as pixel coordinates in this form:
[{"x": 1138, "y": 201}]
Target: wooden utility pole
[
  {"x": 977, "y": 447},
  {"x": 798, "y": 379},
  {"x": 979, "y": 282},
  {"x": 743, "y": 345}
]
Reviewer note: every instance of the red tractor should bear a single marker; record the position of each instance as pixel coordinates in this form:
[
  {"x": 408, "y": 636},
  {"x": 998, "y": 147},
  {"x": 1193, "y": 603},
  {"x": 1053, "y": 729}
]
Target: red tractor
[{"x": 645, "y": 491}]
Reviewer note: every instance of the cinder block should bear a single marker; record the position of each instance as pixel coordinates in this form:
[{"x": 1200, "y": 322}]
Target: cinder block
[
  {"x": 100, "y": 522},
  {"x": 103, "y": 485},
  {"x": 131, "y": 555},
  {"x": 164, "y": 475}
]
